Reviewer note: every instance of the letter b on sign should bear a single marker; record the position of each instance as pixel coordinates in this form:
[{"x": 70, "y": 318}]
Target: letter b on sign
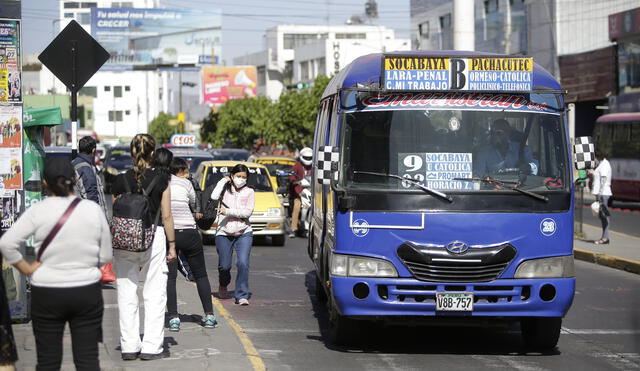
[{"x": 458, "y": 74}]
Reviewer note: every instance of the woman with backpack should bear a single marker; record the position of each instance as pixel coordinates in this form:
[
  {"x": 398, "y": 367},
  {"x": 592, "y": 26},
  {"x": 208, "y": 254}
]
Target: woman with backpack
[
  {"x": 72, "y": 240},
  {"x": 130, "y": 254},
  {"x": 234, "y": 231},
  {"x": 189, "y": 244}
]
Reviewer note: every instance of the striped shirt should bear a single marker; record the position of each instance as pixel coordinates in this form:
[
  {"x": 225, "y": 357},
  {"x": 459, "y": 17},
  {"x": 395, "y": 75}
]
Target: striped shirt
[{"x": 183, "y": 198}]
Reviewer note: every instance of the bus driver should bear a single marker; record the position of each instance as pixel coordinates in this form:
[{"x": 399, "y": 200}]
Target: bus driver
[{"x": 503, "y": 153}]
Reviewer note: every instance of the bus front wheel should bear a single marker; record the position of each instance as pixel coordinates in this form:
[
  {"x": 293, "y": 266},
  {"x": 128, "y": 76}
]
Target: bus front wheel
[
  {"x": 321, "y": 295},
  {"x": 342, "y": 330},
  {"x": 541, "y": 332}
]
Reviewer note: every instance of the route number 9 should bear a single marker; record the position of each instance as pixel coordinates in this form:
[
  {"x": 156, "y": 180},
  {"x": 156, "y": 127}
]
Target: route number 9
[{"x": 413, "y": 162}]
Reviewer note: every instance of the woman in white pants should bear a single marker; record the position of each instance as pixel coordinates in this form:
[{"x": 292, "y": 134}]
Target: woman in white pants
[{"x": 153, "y": 261}]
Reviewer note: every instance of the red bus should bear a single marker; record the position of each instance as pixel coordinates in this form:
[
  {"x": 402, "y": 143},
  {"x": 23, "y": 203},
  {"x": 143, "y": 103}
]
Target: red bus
[{"x": 619, "y": 135}]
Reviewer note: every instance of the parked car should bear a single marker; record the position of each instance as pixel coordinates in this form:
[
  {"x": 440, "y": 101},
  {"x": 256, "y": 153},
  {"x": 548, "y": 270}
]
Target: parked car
[
  {"x": 193, "y": 157},
  {"x": 117, "y": 161},
  {"x": 268, "y": 216},
  {"x": 232, "y": 154},
  {"x": 279, "y": 169}
]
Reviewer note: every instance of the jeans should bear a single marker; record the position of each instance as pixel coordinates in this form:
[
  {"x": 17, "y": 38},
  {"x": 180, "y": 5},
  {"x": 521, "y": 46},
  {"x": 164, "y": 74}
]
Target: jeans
[
  {"x": 52, "y": 308},
  {"x": 605, "y": 216},
  {"x": 225, "y": 246},
  {"x": 127, "y": 267},
  {"x": 189, "y": 243}
]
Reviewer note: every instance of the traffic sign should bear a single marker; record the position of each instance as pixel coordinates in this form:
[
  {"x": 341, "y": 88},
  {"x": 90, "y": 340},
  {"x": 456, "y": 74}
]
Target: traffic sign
[{"x": 74, "y": 47}]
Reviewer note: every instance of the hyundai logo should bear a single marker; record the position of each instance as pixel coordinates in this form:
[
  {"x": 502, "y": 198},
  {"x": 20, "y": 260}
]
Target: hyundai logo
[{"x": 457, "y": 247}]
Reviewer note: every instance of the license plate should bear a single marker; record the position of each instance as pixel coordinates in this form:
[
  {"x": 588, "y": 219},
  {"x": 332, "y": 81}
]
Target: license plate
[{"x": 454, "y": 301}]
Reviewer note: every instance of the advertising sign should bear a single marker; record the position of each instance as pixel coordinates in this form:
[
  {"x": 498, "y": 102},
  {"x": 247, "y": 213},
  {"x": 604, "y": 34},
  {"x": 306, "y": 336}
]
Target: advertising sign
[
  {"x": 10, "y": 79},
  {"x": 220, "y": 84},
  {"x": 10, "y": 147},
  {"x": 156, "y": 36},
  {"x": 418, "y": 73},
  {"x": 183, "y": 140},
  {"x": 437, "y": 170}
]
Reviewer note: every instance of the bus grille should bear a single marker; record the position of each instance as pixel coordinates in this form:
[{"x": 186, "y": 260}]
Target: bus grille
[{"x": 436, "y": 264}]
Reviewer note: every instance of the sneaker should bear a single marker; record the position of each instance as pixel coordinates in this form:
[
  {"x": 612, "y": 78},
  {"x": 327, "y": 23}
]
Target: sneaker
[
  {"x": 130, "y": 356},
  {"x": 222, "y": 292},
  {"x": 151, "y": 357},
  {"x": 602, "y": 241},
  {"x": 242, "y": 301},
  {"x": 292, "y": 234},
  {"x": 174, "y": 324},
  {"x": 209, "y": 321}
]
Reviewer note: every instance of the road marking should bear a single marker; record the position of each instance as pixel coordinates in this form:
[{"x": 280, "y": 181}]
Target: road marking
[
  {"x": 250, "y": 350},
  {"x": 599, "y": 332}
]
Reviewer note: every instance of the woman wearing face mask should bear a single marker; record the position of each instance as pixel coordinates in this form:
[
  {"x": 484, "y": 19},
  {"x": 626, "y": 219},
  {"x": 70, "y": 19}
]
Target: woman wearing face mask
[{"x": 234, "y": 231}]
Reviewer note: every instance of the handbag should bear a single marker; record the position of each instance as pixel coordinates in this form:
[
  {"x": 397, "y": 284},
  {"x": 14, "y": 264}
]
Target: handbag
[
  {"x": 57, "y": 227},
  {"x": 210, "y": 212}
]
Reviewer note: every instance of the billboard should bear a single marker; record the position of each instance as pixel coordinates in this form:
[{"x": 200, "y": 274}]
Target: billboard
[
  {"x": 220, "y": 84},
  {"x": 10, "y": 82},
  {"x": 157, "y": 36}
]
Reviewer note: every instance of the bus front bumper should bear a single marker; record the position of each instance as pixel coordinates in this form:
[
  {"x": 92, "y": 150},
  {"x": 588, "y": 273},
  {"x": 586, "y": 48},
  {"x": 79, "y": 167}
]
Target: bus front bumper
[{"x": 409, "y": 297}]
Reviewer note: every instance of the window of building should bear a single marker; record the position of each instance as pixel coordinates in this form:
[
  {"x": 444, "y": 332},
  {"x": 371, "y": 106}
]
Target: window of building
[
  {"x": 89, "y": 114},
  {"x": 304, "y": 70},
  {"x": 351, "y": 35},
  {"x": 629, "y": 65},
  {"x": 322, "y": 66},
  {"x": 115, "y": 116},
  {"x": 127, "y": 88},
  {"x": 490, "y": 6},
  {"x": 90, "y": 91},
  {"x": 84, "y": 18},
  {"x": 292, "y": 41},
  {"x": 89, "y": 5},
  {"x": 445, "y": 22},
  {"x": 122, "y": 4},
  {"x": 117, "y": 91},
  {"x": 69, "y": 15},
  {"x": 71, "y": 5},
  {"x": 423, "y": 30},
  {"x": 127, "y": 112},
  {"x": 107, "y": 88},
  {"x": 519, "y": 39},
  {"x": 262, "y": 76}
]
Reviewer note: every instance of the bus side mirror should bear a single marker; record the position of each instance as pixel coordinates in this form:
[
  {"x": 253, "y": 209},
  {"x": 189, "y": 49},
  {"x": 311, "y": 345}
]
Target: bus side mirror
[
  {"x": 584, "y": 152},
  {"x": 327, "y": 164}
]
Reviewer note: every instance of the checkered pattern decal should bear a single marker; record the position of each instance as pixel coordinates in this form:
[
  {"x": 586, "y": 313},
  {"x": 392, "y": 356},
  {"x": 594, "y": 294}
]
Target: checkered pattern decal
[
  {"x": 585, "y": 153},
  {"x": 326, "y": 155}
]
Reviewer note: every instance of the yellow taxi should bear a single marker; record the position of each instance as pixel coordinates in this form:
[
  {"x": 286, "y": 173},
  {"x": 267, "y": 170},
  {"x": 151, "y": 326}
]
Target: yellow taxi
[
  {"x": 268, "y": 216},
  {"x": 277, "y": 165}
]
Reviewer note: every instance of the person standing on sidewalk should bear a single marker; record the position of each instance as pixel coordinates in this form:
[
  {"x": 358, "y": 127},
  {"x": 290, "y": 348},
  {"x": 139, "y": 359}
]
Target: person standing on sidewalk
[
  {"x": 189, "y": 243},
  {"x": 88, "y": 184},
  {"x": 153, "y": 261},
  {"x": 65, "y": 279},
  {"x": 234, "y": 231},
  {"x": 602, "y": 191}
]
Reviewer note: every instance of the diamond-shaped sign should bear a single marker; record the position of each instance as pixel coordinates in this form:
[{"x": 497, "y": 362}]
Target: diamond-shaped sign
[{"x": 89, "y": 56}]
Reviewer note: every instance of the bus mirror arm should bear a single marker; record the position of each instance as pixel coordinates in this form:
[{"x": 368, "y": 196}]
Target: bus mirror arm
[{"x": 345, "y": 202}]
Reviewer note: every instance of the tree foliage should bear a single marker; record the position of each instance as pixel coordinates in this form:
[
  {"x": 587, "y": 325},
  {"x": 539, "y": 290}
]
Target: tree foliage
[
  {"x": 209, "y": 127},
  {"x": 160, "y": 129},
  {"x": 289, "y": 121}
]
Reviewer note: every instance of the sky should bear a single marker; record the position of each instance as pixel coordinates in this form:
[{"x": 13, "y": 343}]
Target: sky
[{"x": 243, "y": 21}]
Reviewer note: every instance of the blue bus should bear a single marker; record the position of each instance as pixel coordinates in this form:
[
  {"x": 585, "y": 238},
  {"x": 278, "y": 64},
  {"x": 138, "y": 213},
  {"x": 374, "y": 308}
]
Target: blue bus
[{"x": 443, "y": 193}]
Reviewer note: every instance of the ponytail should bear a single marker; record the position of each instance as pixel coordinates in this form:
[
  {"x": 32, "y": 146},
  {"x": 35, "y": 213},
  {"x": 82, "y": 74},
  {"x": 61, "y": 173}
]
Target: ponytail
[{"x": 142, "y": 149}]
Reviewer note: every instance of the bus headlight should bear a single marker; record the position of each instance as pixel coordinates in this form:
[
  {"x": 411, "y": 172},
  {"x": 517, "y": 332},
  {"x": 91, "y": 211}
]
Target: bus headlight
[
  {"x": 555, "y": 267},
  {"x": 358, "y": 266},
  {"x": 274, "y": 211}
]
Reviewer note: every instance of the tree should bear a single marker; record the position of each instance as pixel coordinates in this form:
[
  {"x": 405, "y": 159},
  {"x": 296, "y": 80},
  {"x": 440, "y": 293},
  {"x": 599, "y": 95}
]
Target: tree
[
  {"x": 242, "y": 121},
  {"x": 160, "y": 129},
  {"x": 208, "y": 127}
]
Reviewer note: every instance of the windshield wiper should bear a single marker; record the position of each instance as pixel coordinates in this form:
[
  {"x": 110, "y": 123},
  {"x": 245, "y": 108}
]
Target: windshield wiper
[
  {"x": 503, "y": 183},
  {"x": 410, "y": 181}
]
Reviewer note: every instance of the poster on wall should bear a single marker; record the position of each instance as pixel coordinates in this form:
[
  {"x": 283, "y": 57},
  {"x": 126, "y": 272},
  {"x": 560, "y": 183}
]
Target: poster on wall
[
  {"x": 10, "y": 79},
  {"x": 10, "y": 148},
  {"x": 221, "y": 84}
]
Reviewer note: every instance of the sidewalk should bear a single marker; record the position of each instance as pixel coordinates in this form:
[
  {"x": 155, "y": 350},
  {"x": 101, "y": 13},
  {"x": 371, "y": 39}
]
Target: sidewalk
[
  {"x": 193, "y": 348},
  {"x": 623, "y": 252}
]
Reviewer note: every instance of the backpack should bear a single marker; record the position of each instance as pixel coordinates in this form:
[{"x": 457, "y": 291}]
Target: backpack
[
  {"x": 210, "y": 209},
  {"x": 131, "y": 226}
]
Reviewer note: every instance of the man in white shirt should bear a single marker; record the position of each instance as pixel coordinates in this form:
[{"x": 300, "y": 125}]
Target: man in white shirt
[{"x": 602, "y": 191}]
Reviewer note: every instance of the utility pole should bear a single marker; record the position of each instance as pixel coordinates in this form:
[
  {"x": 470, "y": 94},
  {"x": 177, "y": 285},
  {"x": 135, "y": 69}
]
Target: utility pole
[{"x": 463, "y": 25}]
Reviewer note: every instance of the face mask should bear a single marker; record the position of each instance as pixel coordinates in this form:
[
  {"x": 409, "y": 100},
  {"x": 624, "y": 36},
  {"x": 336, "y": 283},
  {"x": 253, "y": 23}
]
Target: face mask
[{"x": 239, "y": 182}]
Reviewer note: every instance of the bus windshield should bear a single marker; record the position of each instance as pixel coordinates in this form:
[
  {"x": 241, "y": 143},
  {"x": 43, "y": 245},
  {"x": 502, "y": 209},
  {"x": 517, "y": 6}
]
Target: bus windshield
[{"x": 440, "y": 148}]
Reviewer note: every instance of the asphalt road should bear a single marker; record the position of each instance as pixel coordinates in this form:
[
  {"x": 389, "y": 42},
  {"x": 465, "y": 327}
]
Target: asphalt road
[{"x": 286, "y": 324}]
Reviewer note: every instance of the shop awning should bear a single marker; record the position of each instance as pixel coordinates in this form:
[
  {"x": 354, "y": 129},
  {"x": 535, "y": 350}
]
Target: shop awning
[
  {"x": 41, "y": 117},
  {"x": 619, "y": 117}
]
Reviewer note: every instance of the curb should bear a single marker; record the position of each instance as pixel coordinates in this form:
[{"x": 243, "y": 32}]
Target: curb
[{"x": 611, "y": 261}]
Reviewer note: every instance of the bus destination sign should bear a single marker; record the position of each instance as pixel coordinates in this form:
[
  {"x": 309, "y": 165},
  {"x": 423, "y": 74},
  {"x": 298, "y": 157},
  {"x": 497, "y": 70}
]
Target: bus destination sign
[{"x": 491, "y": 74}]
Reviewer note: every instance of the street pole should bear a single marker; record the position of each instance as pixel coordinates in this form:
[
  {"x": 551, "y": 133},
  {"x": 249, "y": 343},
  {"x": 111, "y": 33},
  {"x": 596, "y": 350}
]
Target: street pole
[
  {"x": 463, "y": 25},
  {"x": 74, "y": 100}
]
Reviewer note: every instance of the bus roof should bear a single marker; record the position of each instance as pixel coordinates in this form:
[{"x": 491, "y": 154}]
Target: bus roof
[{"x": 366, "y": 70}]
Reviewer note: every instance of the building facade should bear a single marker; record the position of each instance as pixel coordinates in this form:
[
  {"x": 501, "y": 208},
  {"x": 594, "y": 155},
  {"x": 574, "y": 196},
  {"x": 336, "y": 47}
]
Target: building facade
[{"x": 297, "y": 54}]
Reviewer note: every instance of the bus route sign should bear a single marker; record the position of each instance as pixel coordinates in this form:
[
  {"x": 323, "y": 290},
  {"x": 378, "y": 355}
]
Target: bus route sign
[{"x": 438, "y": 73}]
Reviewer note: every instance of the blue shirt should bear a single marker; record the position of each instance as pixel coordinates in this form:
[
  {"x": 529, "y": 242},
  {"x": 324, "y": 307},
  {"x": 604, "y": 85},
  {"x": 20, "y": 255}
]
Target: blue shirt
[{"x": 490, "y": 160}]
